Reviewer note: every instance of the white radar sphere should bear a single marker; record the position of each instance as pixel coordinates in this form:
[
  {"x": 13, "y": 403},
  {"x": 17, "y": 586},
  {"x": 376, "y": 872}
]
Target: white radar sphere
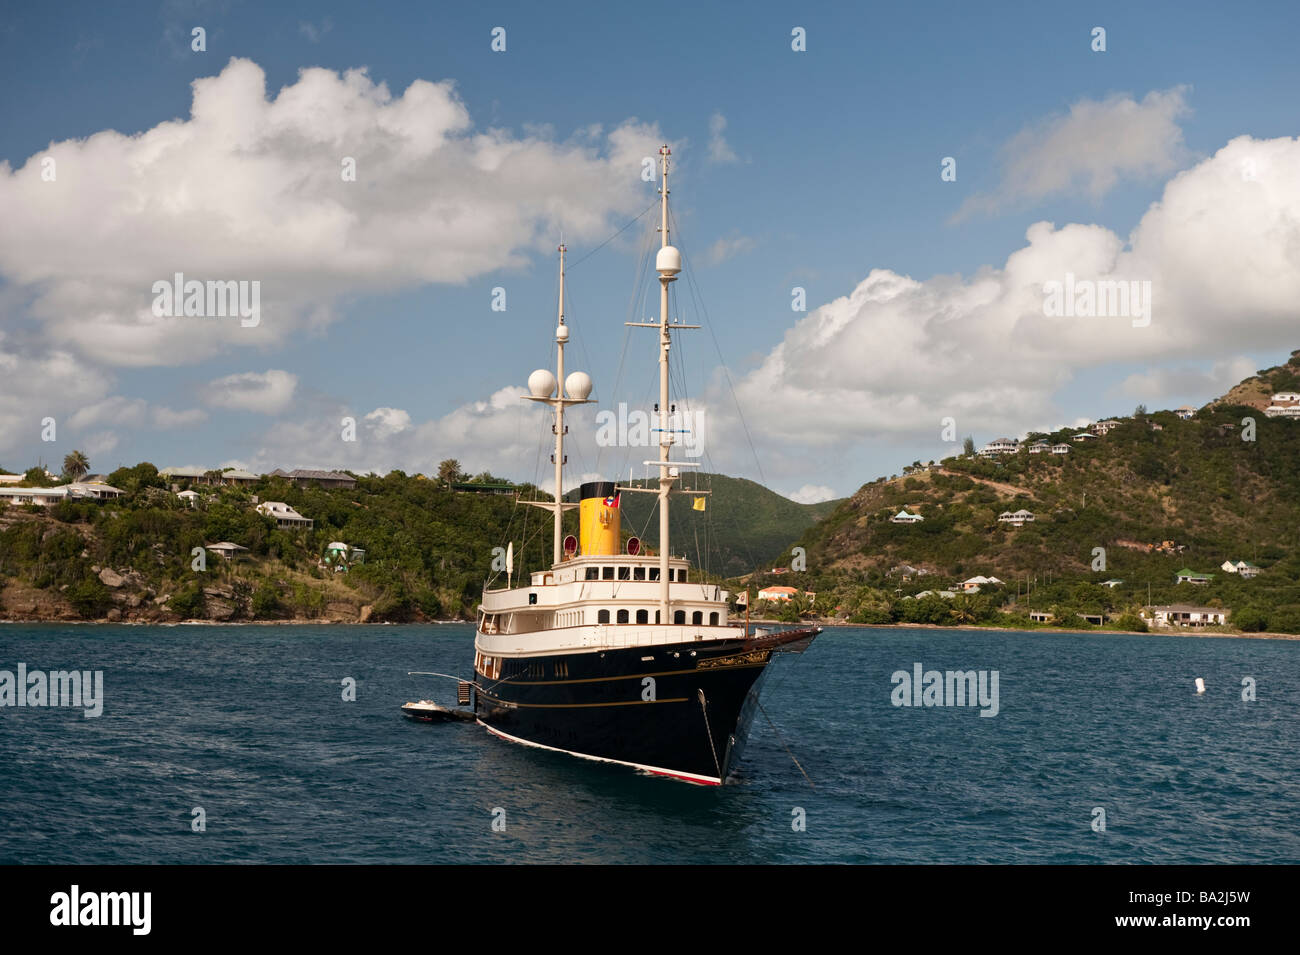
[
  {"x": 668, "y": 260},
  {"x": 562, "y": 333},
  {"x": 541, "y": 383},
  {"x": 578, "y": 385}
]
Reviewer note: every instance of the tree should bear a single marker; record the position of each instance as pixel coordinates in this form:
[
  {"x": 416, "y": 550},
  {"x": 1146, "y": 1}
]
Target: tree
[
  {"x": 449, "y": 471},
  {"x": 76, "y": 466},
  {"x": 36, "y": 477},
  {"x": 1140, "y": 411},
  {"x": 968, "y": 446}
]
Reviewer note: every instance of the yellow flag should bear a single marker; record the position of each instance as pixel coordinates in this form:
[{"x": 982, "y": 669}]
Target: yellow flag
[{"x": 699, "y": 504}]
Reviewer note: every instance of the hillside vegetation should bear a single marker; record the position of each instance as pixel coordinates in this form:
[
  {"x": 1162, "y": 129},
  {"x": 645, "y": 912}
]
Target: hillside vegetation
[{"x": 1224, "y": 485}]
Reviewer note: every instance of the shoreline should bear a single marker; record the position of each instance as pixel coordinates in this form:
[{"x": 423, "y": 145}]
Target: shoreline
[{"x": 836, "y": 624}]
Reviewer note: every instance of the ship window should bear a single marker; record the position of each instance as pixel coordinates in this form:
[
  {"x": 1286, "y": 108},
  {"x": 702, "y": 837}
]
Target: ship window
[
  {"x": 638, "y": 573},
  {"x": 679, "y": 616},
  {"x": 602, "y": 616},
  {"x": 625, "y": 573},
  {"x": 622, "y": 616},
  {"x": 532, "y": 598},
  {"x": 593, "y": 573},
  {"x": 654, "y": 573},
  {"x": 697, "y": 618},
  {"x": 713, "y": 619},
  {"x": 607, "y": 573},
  {"x": 656, "y": 616},
  {"x": 643, "y": 616}
]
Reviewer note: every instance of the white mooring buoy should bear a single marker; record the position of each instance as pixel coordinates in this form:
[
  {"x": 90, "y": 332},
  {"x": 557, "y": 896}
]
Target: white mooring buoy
[{"x": 1200, "y": 685}]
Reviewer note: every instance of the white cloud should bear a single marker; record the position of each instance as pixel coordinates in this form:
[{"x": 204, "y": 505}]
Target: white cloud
[
  {"x": 251, "y": 188},
  {"x": 1187, "y": 380},
  {"x": 719, "y": 150},
  {"x": 726, "y": 248},
  {"x": 812, "y": 494},
  {"x": 36, "y": 384},
  {"x": 133, "y": 413},
  {"x": 314, "y": 32},
  {"x": 890, "y": 360},
  {"x": 266, "y": 392},
  {"x": 1090, "y": 149},
  {"x": 166, "y": 418},
  {"x": 386, "y": 422}
]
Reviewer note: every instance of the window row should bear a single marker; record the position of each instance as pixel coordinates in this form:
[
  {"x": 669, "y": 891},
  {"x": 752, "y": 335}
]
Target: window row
[
  {"x": 633, "y": 573},
  {"x": 643, "y": 616}
]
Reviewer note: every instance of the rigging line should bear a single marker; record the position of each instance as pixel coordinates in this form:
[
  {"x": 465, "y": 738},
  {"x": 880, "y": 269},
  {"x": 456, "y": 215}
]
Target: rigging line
[
  {"x": 709, "y": 732},
  {"x": 782, "y": 739},
  {"x": 654, "y": 203},
  {"x": 690, "y": 279},
  {"x": 638, "y": 285}
]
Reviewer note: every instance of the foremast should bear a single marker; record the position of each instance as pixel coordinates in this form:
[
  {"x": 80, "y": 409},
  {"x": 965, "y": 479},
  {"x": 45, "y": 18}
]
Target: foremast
[{"x": 558, "y": 391}]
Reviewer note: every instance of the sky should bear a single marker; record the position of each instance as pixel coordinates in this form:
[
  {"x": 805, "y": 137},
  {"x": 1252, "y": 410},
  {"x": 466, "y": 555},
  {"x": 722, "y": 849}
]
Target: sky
[{"x": 874, "y": 203}]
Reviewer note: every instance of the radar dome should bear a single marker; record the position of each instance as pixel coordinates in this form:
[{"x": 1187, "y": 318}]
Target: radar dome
[
  {"x": 578, "y": 385},
  {"x": 668, "y": 260},
  {"x": 541, "y": 383},
  {"x": 562, "y": 333}
]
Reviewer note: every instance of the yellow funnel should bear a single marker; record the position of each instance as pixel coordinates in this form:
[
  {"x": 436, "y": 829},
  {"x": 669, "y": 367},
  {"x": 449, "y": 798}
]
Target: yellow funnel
[{"x": 599, "y": 519}]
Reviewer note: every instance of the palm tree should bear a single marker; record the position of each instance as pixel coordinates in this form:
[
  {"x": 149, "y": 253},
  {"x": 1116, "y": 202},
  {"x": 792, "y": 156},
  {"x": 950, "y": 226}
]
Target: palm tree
[
  {"x": 963, "y": 609},
  {"x": 449, "y": 471},
  {"x": 76, "y": 466}
]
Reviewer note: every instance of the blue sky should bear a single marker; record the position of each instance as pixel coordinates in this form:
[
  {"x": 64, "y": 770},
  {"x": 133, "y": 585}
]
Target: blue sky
[{"x": 815, "y": 169}]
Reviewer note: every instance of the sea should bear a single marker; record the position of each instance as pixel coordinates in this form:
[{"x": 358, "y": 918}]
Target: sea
[{"x": 285, "y": 744}]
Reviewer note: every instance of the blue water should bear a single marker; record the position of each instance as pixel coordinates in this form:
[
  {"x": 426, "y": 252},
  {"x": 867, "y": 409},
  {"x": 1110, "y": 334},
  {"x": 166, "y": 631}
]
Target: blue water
[{"x": 249, "y": 724}]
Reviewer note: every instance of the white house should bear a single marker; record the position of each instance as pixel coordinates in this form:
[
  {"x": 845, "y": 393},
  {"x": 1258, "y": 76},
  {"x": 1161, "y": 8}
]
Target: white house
[
  {"x": 216, "y": 476},
  {"x": 1186, "y": 576},
  {"x": 1038, "y": 447},
  {"x": 1185, "y": 412},
  {"x": 1112, "y": 583},
  {"x": 228, "y": 550},
  {"x": 1185, "y": 615},
  {"x": 191, "y": 498},
  {"x": 946, "y": 594},
  {"x": 40, "y": 496},
  {"x": 45, "y": 496},
  {"x": 973, "y": 584},
  {"x": 1000, "y": 446},
  {"x": 1282, "y": 411},
  {"x": 902, "y": 517},
  {"x": 1083, "y": 436},
  {"x": 1105, "y": 427},
  {"x": 285, "y": 516},
  {"x": 1017, "y": 518},
  {"x": 1060, "y": 449},
  {"x": 782, "y": 594},
  {"x": 1286, "y": 398},
  {"x": 337, "y": 552},
  {"x": 1242, "y": 568},
  {"x": 96, "y": 490}
]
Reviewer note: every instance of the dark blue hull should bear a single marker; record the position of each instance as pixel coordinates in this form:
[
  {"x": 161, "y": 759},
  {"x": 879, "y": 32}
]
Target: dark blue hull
[{"x": 680, "y": 710}]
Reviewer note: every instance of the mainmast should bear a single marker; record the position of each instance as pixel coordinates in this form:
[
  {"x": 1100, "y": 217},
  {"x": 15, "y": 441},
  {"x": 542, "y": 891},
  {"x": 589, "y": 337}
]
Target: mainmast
[
  {"x": 545, "y": 387},
  {"x": 668, "y": 262},
  {"x": 561, "y": 336}
]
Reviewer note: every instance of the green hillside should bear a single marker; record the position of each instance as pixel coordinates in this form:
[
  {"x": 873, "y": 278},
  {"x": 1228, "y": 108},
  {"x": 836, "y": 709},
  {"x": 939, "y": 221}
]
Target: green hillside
[
  {"x": 1152, "y": 479},
  {"x": 744, "y": 526}
]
